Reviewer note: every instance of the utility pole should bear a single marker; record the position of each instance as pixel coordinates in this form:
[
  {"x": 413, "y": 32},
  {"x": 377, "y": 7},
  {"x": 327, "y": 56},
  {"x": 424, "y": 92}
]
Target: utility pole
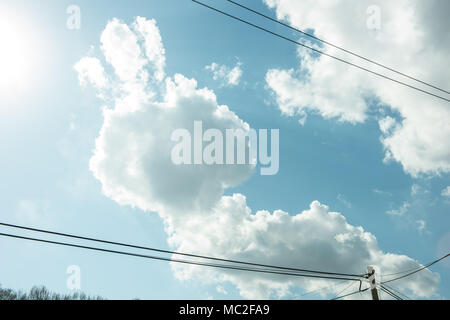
[{"x": 373, "y": 283}]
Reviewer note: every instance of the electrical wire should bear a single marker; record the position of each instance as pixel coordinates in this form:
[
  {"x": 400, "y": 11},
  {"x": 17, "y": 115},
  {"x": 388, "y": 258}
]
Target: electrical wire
[
  {"x": 390, "y": 293},
  {"x": 361, "y": 296},
  {"x": 398, "y": 292},
  {"x": 178, "y": 253},
  {"x": 321, "y": 52},
  {"x": 321, "y": 289},
  {"x": 418, "y": 270},
  {"x": 401, "y": 272},
  {"x": 345, "y": 289},
  {"x": 350, "y": 294},
  {"x": 336, "y": 46},
  {"x": 268, "y": 271},
  {"x": 384, "y": 291}
]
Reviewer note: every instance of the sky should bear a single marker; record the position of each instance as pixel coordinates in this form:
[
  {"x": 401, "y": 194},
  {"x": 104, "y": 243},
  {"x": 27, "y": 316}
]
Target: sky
[{"x": 91, "y": 92}]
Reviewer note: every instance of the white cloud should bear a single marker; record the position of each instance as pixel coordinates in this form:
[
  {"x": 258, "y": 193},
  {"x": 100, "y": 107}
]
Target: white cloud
[
  {"x": 128, "y": 64},
  {"x": 132, "y": 155},
  {"x": 154, "y": 48},
  {"x": 446, "y": 192},
  {"x": 317, "y": 238},
  {"x": 132, "y": 161},
  {"x": 400, "y": 211},
  {"x": 407, "y": 41},
  {"x": 91, "y": 70},
  {"x": 387, "y": 125},
  {"x": 421, "y": 225},
  {"x": 228, "y": 76},
  {"x": 296, "y": 96}
]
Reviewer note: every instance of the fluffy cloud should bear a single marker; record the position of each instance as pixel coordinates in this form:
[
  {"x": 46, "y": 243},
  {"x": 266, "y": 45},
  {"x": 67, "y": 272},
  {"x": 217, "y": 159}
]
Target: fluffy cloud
[
  {"x": 419, "y": 138},
  {"x": 312, "y": 239},
  {"x": 297, "y": 96},
  {"x": 90, "y": 70},
  {"x": 132, "y": 161},
  {"x": 228, "y": 76},
  {"x": 128, "y": 64},
  {"x": 154, "y": 49},
  {"x": 132, "y": 155},
  {"x": 133, "y": 152}
]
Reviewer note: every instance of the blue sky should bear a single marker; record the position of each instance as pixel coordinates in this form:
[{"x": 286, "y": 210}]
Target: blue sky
[{"x": 48, "y": 130}]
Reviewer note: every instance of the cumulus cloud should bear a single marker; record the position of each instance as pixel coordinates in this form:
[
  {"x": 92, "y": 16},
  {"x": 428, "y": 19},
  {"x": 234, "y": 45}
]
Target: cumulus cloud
[
  {"x": 133, "y": 152},
  {"x": 228, "y": 76},
  {"x": 132, "y": 155},
  {"x": 419, "y": 138},
  {"x": 296, "y": 96},
  {"x": 315, "y": 238},
  {"x": 154, "y": 49},
  {"x": 132, "y": 161},
  {"x": 128, "y": 64}
]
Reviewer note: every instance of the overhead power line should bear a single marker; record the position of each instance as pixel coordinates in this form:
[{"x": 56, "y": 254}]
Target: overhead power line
[
  {"x": 321, "y": 52},
  {"x": 397, "y": 273},
  {"x": 268, "y": 271},
  {"x": 397, "y": 292},
  {"x": 337, "y": 47},
  {"x": 221, "y": 266},
  {"x": 343, "y": 290},
  {"x": 406, "y": 271},
  {"x": 417, "y": 270},
  {"x": 350, "y": 294},
  {"x": 178, "y": 253},
  {"x": 385, "y": 290},
  {"x": 327, "y": 288}
]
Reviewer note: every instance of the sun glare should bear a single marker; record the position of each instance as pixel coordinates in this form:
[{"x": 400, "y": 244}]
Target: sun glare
[{"x": 15, "y": 64}]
